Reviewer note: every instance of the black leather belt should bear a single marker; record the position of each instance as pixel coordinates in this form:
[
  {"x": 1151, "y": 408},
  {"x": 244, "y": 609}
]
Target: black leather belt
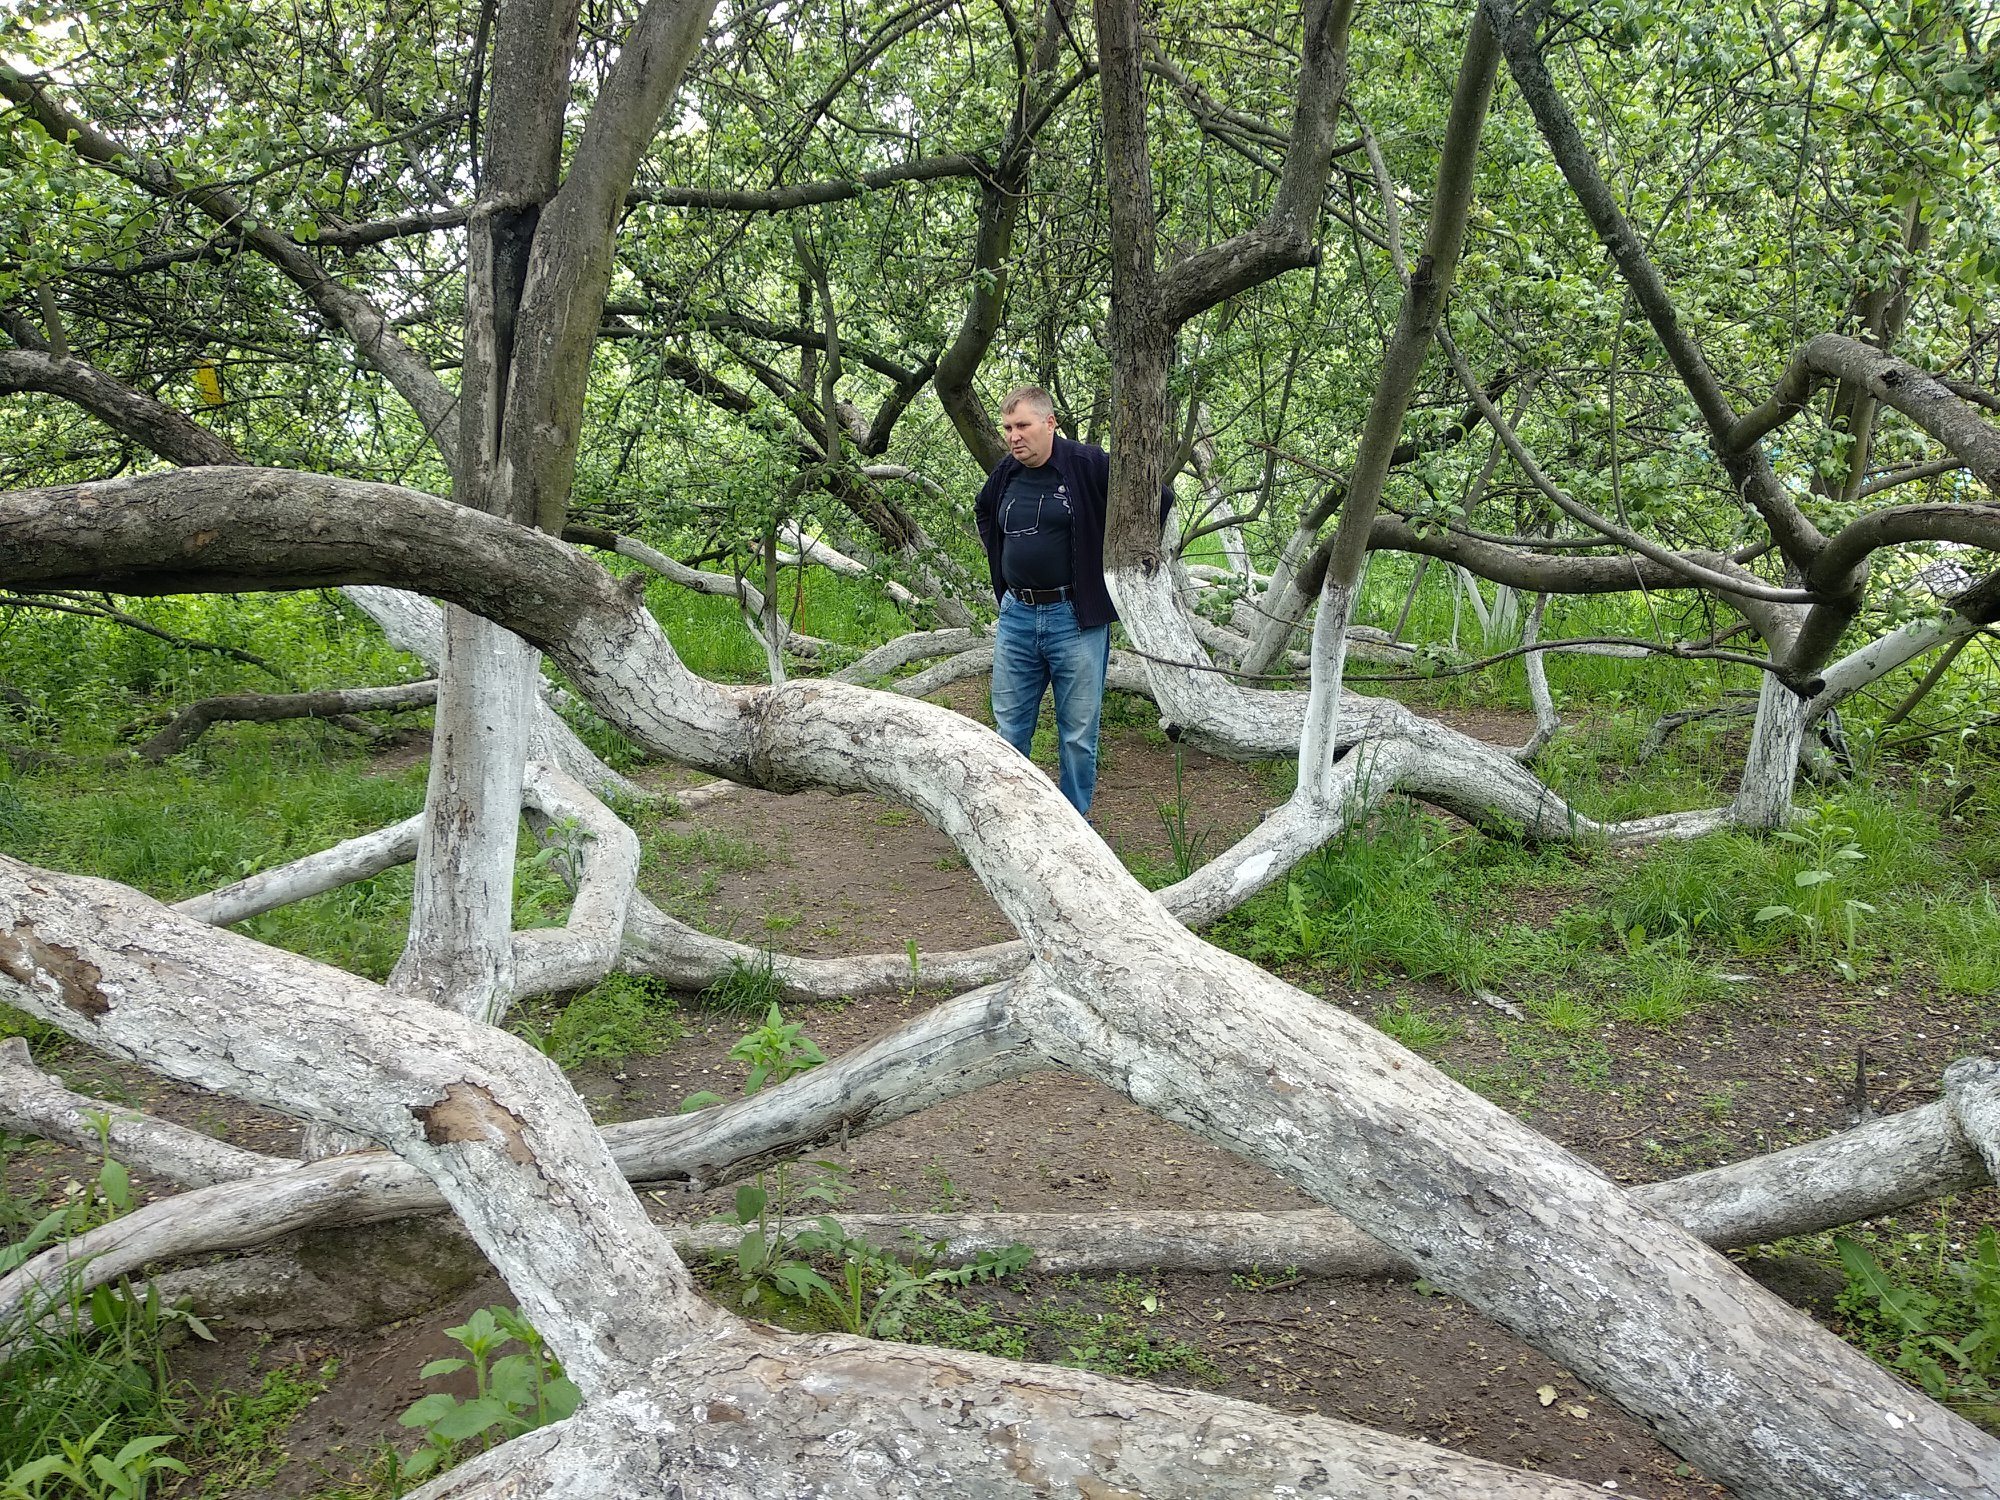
[{"x": 1041, "y": 596}]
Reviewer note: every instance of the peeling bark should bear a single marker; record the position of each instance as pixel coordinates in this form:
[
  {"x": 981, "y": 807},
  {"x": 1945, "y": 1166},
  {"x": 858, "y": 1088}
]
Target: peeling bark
[
  {"x": 676, "y": 1392},
  {"x": 1483, "y": 1205}
]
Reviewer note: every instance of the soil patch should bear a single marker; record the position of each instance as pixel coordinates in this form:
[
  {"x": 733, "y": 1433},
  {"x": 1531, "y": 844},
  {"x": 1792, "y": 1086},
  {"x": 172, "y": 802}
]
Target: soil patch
[{"x": 821, "y": 875}]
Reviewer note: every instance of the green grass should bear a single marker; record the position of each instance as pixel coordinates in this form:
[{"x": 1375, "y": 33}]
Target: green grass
[
  {"x": 239, "y": 1435},
  {"x": 1643, "y": 938},
  {"x": 178, "y": 829},
  {"x": 623, "y": 1015},
  {"x": 1564, "y": 1013},
  {"x": 709, "y": 635},
  {"x": 1920, "y": 1287},
  {"x": 952, "y": 1324},
  {"x": 679, "y": 866},
  {"x": 1415, "y": 1029},
  {"x": 1968, "y": 935},
  {"x": 84, "y": 1373},
  {"x": 748, "y": 989}
]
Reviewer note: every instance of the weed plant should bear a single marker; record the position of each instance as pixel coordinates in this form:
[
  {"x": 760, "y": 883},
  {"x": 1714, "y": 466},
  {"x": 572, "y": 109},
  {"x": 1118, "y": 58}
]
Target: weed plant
[
  {"x": 749, "y": 987},
  {"x": 813, "y": 1272},
  {"x": 90, "y": 1406},
  {"x": 1944, "y": 1336},
  {"x": 513, "y": 1393}
]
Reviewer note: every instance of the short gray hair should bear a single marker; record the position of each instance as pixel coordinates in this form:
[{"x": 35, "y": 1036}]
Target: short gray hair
[{"x": 1037, "y": 400}]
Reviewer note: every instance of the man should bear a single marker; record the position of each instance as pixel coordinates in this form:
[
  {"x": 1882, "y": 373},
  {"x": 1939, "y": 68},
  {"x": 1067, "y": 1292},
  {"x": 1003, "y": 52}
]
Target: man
[{"x": 1041, "y": 516}]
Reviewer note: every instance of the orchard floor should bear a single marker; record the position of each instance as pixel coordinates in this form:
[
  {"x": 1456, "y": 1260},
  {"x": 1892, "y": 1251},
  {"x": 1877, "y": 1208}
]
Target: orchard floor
[{"x": 823, "y": 875}]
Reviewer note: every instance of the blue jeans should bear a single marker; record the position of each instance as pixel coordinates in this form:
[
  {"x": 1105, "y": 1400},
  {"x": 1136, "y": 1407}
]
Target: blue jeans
[{"x": 1037, "y": 646}]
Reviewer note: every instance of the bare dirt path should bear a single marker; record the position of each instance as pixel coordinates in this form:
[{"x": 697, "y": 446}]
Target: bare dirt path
[{"x": 821, "y": 875}]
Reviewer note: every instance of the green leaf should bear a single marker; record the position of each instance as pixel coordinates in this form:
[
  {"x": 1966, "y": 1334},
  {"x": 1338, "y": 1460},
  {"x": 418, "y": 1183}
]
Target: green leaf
[
  {"x": 422, "y": 1462},
  {"x": 117, "y": 1184},
  {"x": 441, "y": 1367},
  {"x": 510, "y": 1322},
  {"x": 512, "y": 1380},
  {"x": 1905, "y": 1307},
  {"x": 751, "y": 1200},
  {"x": 31, "y": 1474},
  {"x": 1771, "y": 913},
  {"x": 427, "y": 1409},
  {"x": 797, "y": 1279},
  {"x": 560, "y": 1397},
  {"x": 469, "y": 1420},
  {"x": 1806, "y": 879},
  {"x": 139, "y": 1447},
  {"x": 116, "y": 1481}
]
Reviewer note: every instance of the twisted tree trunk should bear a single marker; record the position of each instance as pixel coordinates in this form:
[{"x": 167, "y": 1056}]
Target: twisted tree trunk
[{"x": 1480, "y": 1203}]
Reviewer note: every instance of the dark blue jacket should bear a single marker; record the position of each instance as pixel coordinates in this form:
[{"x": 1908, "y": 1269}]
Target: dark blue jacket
[{"x": 1085, "y": 470}]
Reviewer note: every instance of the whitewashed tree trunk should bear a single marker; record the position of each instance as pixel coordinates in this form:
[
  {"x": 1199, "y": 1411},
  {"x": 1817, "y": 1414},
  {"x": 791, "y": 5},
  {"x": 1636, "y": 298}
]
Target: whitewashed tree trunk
[
  {"x": 314, "y": 874},
  {"x": 811, "y": 549},
  {"x": 1281, "y": 604},
  {"x": 1878, "y": 658},
  {"x": 1547, "y": 721},
  {"x": 490, "y": 1155},
  {"x": 1771, "y": 767},
  {"x": 950, "y": 1050},
  {"x": 599, "y": 857},
  {"x": 677, "y": 1393},
  {"x": 35, "y": 1103},
  {"x": 460, "y": 952},
  {"x": 1484, "y": 1206},
  {"x": 918, "y": 645},
  {"x": 414, "y": 624}
]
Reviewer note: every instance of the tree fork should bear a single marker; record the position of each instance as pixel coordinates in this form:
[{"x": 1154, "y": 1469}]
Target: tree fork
[
  {"x": 1485, "y": 1206},
  {"x": 676, "y": 1392}
]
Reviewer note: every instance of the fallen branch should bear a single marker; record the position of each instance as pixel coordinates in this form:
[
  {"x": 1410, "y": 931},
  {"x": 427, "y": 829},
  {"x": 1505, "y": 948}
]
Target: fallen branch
[
  {"x": 34, "y": 1103},
  {"x": 1490, "y": 1210},
  {"x": 335, "y": 704}
]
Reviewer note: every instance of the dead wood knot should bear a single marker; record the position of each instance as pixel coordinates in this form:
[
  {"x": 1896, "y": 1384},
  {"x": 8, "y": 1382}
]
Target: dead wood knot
[
  {"x": 36, "y": 965},
  {"x": 468, "y": 1113}
]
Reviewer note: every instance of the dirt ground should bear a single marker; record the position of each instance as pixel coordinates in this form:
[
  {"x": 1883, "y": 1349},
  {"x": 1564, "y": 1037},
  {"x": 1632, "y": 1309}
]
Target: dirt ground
[{"x": 822, "y": 874}]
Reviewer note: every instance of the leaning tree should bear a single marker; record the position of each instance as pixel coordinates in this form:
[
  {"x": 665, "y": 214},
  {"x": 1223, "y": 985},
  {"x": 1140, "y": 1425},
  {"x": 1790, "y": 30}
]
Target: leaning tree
[{"x": 1106, "y": 978}]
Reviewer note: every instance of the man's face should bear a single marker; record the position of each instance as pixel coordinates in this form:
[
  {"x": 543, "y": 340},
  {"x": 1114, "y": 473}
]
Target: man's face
[{"x": 1030, "y": 436}]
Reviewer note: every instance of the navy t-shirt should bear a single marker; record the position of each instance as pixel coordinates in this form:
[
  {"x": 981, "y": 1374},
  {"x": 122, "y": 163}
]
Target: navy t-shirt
[{"x": 1036, "y": 519}]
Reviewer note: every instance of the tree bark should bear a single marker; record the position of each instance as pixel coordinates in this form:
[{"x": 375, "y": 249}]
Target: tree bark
[
  {"x": 192, "y": 722},
  {"x": 1485, "y": 1207},
  {"x": 677, "y": 1393}
]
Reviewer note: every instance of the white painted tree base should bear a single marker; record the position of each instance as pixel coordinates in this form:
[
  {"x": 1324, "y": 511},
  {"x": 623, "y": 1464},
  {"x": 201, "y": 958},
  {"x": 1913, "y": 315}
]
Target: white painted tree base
[{"x": 1750, "y": 1391}]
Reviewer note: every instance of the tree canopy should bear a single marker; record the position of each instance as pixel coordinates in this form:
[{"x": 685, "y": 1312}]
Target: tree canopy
[{"x": 1691, "y": 304}]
